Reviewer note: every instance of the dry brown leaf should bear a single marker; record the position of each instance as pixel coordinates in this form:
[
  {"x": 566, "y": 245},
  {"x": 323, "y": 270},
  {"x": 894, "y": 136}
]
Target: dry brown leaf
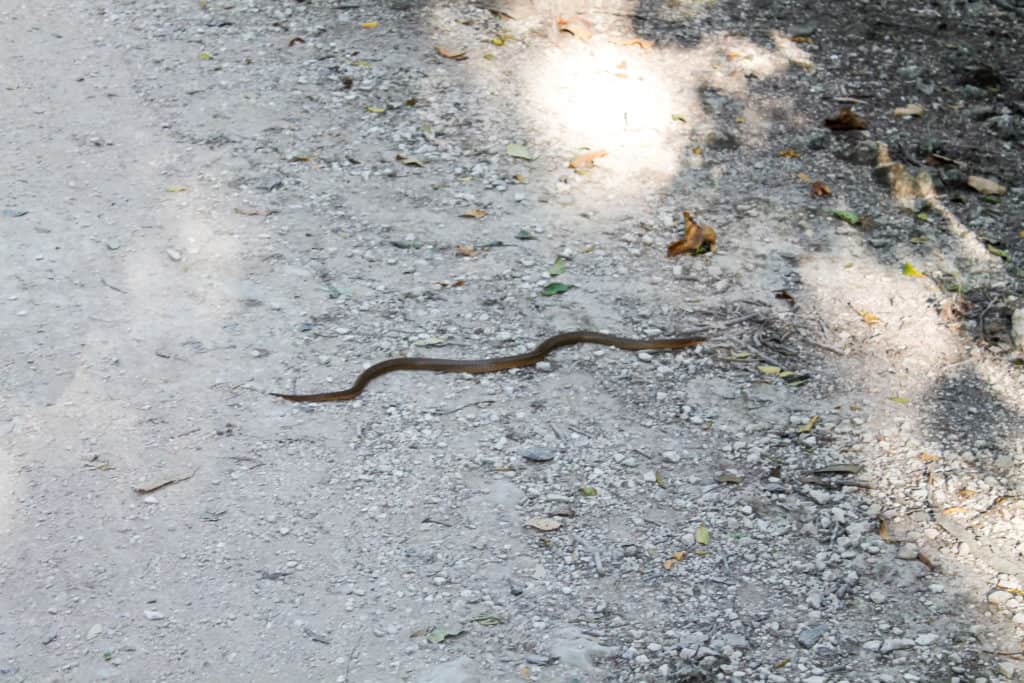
[
  {"x": 250, "y": 211},
  {"x": 697, "y": 151},
  {"x": 453, "y": 283},
  {"x": 846, "y": 119},
  {"x": 473, "y": 213},
  {"x": 789, "y": 153},
  {"x": 909, "y": 110},
  {"x": 869, "y": 317},
  {"x": 465, "y": 250},
  {"x": 577, "y": 26},
  {"x": 802, "y": 39},
  {"x": 928, "y": 457},
  {"x": 820, "y": 189},
  {"x": 586, "y": 160},
  {"x": 297, "y": 40},
  {"x": 939, "y": 160},
  {"x": 955, "y": 510},
  {"x": 639, "y": 42},
  {"x": 883, "y": 530},
  {"x": 695, "y": 237},
  {"x": 451, "y": 54},
  {"x": 803, "y": 177},
  {"x": 984, "y": 185}
]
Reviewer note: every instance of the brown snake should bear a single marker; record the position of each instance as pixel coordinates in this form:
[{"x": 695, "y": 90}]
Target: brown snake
[{"x": 490, "y": 364}]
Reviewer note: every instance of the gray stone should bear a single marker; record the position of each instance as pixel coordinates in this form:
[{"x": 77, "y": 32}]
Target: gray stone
[{"x": 811, "y": 635}]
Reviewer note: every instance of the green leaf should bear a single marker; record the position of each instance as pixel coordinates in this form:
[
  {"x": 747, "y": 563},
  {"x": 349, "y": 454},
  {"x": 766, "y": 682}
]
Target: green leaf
[
  {"x": 769, "y": 369},
  {"x": 488, "y": 620},
  {"x": 659, "y": 479},
  {"x": 679, "y": 117},
  {"x": 205, "y": 55},
  {"x": 1001, "y": 253},
  {"x": 588, "y": 491},
  {"x": 518, "y": 151},
  {"x": 375, "y": 110},
  {"x": 558, "y": 268},
  {"x": 808, "y": 426},
  {"x": 849, "y": 216},
  {"x": 910, "y": 271},
  {"x": 556, "y": 288},
  {"x": 702, "y": 535},
  {"x": 899, "y": 399},
  {"x": 439, "y": 634}
]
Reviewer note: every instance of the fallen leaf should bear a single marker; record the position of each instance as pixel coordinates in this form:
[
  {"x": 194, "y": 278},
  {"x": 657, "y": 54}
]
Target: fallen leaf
[
  {"x": 954, "y": 510},
  {"x": 928, "y": 457},
  {"x": 789, "y": 153},
  {"x": 784, "y": 295},
  {"x": 846, "y": 119},
  {"x": 517, "y": 151},
  {"x": 439, "y": 634},
  {"x": 808, "y": 426},
  {"x": 296, "y": 41},
  {"x": 820, "y": 189},
  {"x": 577, "y": 26},
  {"x": 375, "y": 110},
  {"x": 899, "y": 399},
  {"x": 659, "y": 479},
  {"x": 300, "y": 158},
  {"x": 883, "y": 530},
  {"x": 697, "y": 239},
  {"x": 249, "y": 211},
  {"x": 557, "y": 268},
  {"x": 544, "y": 523},
  {"x": 840, "y": 468},
  {"x": 205, "y": 56},
  {"x": 702, "y": 535},
  {"x": 451, "y": 54},
  {"x": 940, "y": 160},
  {"x": 177, "y": 188},
  {"x": 697, "y": 151},
  {"x": 501, "y": 39},
  {"x": 985, "y": 186},
  {"x": 586, "y": 160},
  {"x": 519, "y": 178},
  {"x": 465, "y": 250},
  {"x": 848, "y": 216},
  {"x": 370, "y": 24},
  {"x": 555, "y": 288},
  {"x": 488, "y": 620},
  {"x": 1001, "y": 253},
  {"x": 769, "y": 369},
  {"x": 803, "y": 177},
  {"x": 408, "y": 161},
  {"x": 473, "y": 213},
  {"x": 910, "y": 271},
  {"x": 909, "y": 110},
  {"x": 588, "y": 491},
  {"x": 679, "y": 117},
  {"x": 869, "y": 317},
  {"x": 639, "y": 42},
  {"x": 729, "y": 478}
]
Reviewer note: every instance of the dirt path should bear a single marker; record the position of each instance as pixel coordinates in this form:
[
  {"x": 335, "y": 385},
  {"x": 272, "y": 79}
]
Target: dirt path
[{"x": 203, "y": 203}]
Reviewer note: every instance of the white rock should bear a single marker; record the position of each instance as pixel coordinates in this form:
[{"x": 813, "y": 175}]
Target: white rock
[
  {"x": 1017, "y": 329},
  {"x": 153, "y": 615},
  {"x": 926, "y": 639}
]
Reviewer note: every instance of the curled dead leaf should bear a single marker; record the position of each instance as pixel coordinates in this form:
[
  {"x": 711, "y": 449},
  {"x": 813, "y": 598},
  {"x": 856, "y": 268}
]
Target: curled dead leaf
[
  {"x": 473, "y": 213},
  {"x": 297, "y": 40},
  {"x": 697, "y": 238},
  {"x": 465, "y": 250},
  {"x": 846, "y": 119},
  {"x": 639, "y": 42},
  {"x": 789, "y": 153},
  {"x": 985, "y": 186},
  {"x": 909, "y": 110},
  {"x": 820, "y": 189},
  {"x": 577, "y": 26},
  {"x": 457, "y": 55},
  {"x": 586, "y": 160}
]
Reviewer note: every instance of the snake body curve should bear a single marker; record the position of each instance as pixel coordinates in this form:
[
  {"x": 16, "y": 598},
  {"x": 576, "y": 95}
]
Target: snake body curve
[{"x": 483, "y": 365}]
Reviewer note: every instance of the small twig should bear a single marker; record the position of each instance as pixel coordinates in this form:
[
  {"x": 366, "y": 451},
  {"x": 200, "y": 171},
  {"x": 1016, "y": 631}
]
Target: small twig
[
  {"x": 850, "y": 100},
  {"x": 116, "y": 289},
  {"x": 485, "y": 402}
]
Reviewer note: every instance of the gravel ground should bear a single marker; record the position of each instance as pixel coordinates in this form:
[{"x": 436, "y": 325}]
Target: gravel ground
[{"x": 204, "y": 202}]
